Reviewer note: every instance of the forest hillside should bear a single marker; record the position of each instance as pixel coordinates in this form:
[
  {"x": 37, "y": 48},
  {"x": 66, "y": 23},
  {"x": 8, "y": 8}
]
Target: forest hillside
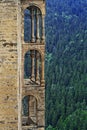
[{"x": 66, "y": 64}]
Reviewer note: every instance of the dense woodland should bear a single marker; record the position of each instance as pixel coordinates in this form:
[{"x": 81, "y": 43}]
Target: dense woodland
[{"x": 66, "y": 65}]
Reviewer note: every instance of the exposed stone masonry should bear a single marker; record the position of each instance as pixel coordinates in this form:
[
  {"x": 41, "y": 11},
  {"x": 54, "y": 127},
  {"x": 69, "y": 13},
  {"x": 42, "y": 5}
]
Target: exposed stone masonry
[
  {"x": 34, "y": 86},
  {"x": 8, "y": 65},
  {"x": 13, "y": 86}
]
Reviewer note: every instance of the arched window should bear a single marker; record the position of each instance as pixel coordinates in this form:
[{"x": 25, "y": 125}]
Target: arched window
[
  {"x": 32, "y": 66},
  {"x": 29, "y": 110},
  {"x": 32, "y": 25}
]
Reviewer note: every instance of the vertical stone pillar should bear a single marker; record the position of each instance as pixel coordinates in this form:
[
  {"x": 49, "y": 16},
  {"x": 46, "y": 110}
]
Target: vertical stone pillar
[
  {"x": 42, "y": 72},
  {"x": 22, "y": 29},
  {"x": 37, "y": 68},
  {"x": 32, "y": 108},
  {"x": 22, "y": 111},
  {"x": 43, "y": 29},
  {"x": 32, "y": 25},
  {"x": 22, "y": 66},
  {"x": 32, "y": 65},
  {"x": 37, "y": 27}
]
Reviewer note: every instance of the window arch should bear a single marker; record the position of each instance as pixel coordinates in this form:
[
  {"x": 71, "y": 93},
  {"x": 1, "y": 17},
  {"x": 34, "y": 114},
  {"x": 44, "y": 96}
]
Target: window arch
[
  {"x": 32, "y": 24},
  {"x": 29, "y": 110},
  {"x": 32, "y": 66}
]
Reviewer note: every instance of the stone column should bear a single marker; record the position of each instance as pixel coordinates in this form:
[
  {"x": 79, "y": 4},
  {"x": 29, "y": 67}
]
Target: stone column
[
  {"x": 22, "y": 111},
  {"x": 37, "y": 68},
  {"x": 32, "y": 26},
  {"x": 37, "y": 27},
  {"x": 22, "y": 28},
  {"x": 43, "y": 29},
  {"x": 32, "y": 65},
  {"x": 42, "y": 72}
]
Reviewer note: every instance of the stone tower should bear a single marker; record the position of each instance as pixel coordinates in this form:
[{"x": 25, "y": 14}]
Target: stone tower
[{"x": 22, "y": 51}]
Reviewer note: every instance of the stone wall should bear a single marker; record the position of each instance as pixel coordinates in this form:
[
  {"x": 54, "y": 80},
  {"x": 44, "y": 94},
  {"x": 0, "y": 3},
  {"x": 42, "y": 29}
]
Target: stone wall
[
  {"x": 29, "y": 86},
  {"x": 11, "y": 65},
  {"x": 8, "y": 65}
]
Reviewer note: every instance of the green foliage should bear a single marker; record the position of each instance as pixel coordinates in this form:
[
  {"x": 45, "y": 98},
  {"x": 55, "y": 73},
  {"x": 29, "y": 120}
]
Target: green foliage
[
  {"x": 76, "y": 121},
  {"x": 66, "y": 64},
  {"x": 50, "y": 128}
]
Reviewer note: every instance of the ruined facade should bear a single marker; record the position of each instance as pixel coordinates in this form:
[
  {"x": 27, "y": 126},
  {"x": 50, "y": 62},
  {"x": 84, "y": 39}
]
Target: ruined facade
[{"x": 22, "y": 51}]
